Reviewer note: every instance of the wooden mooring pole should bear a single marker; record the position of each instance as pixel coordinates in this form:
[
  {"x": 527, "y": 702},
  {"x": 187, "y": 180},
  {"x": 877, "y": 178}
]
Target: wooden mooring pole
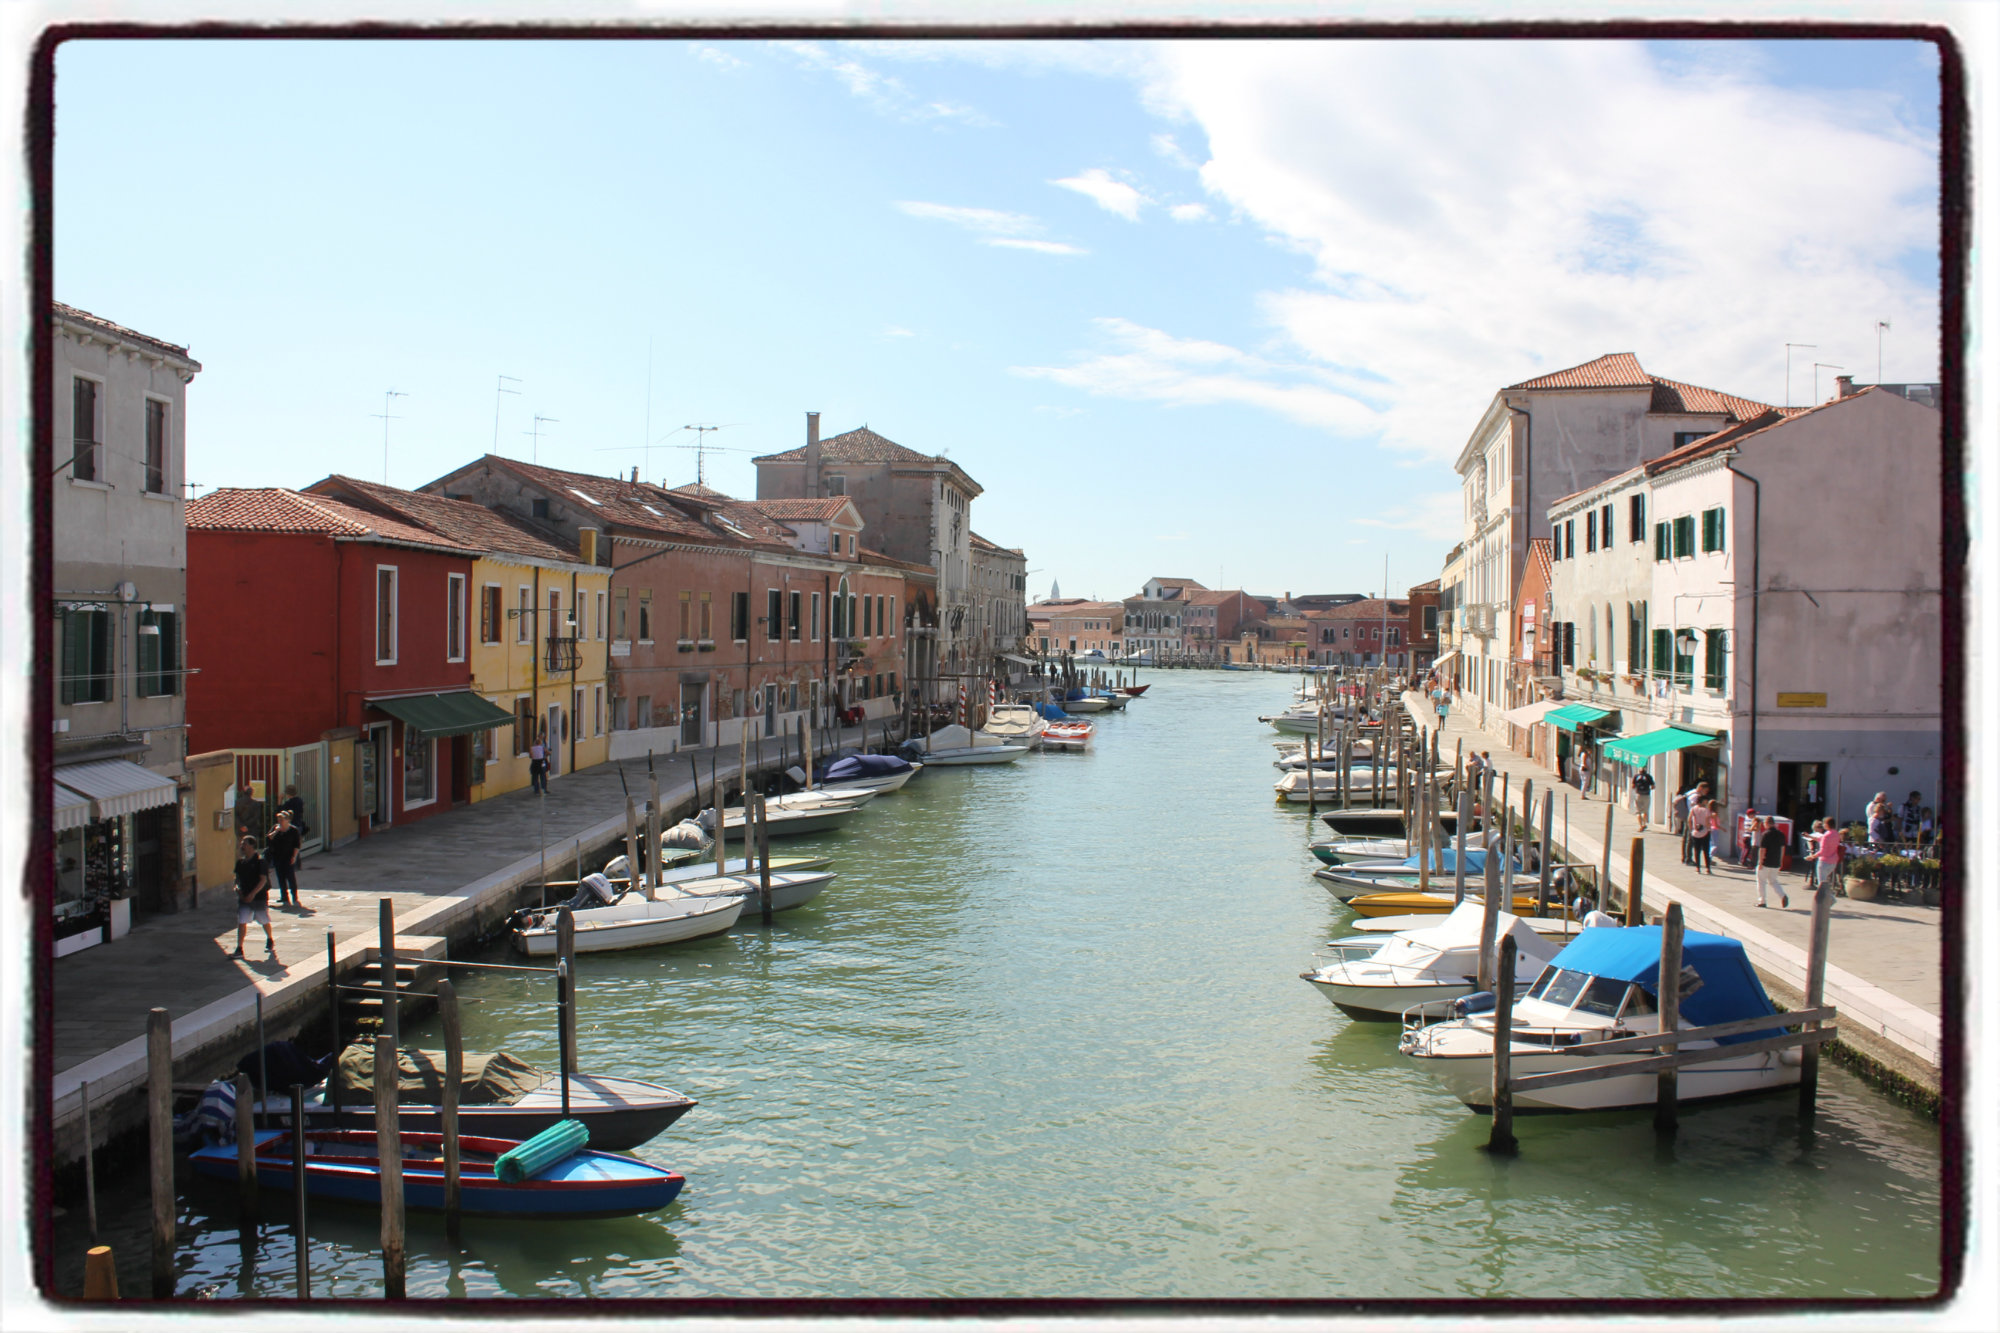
[
  {"x": 333, "y": 1028},
  {"x": 1635, "y": 891},
  {"x": 454, "y": 1073},
  {"x": 566, "y": 947},
  {"x": 160, "y": 1133},
  {"x": 631, "y": 843},
  {"x": 1604, "y": 879},
  {"x": 1822, "y": 920},
  {"x": 392, "y": 1025},
  {"x": 1548, "y": 857},
  {"x": 389, "y": 1166},
  {"x": 1502, "y": 1138},
  {"x": 246, "y": 1156},
  {"x": 763, "y": 862},
  {"x": 1666, "y": 1104},
  {"x": 654, "y": 862},
  {"x": 301, "y": 1248},
  {"x": 89, "y": 1165},
  {"x": 1489, "y": 921},
  {"x": 1458, "y": 852}
]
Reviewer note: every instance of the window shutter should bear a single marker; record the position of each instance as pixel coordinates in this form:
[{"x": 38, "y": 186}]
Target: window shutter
[
  {"x": 1663, "y": 646},
  {"x": 1660, "y": 548}
]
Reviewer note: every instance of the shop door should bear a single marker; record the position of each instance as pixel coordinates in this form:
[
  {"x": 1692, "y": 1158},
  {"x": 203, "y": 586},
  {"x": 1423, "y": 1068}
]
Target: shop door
[
  {"x": 149, "y": 888},
  {"x": 303, "y": 769},
  {"x": 1802, "y": 793},
  {"x": 259, "y": 788},
  {"x": 553, "y": 744},
  {"x": 770, "y": 710},
  {"x": 371, "y": 789},
  {"x": 694, "y": 694}
]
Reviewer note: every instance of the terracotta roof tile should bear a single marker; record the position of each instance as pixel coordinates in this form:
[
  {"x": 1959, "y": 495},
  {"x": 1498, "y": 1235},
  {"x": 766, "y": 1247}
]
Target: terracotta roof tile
[
  {"x": 275, "y": 509},
  {"x": 1673, "y": 396},
  {"x": 104, "y": 325},
  {"x": 1216, "y": 597},
  {"x": 1617, "y": 370},
  {"x": 1368, "y": 608},
  {"x": 822, "y": 510},
  {"x": 462, "y": 521},
  {"x": 855, "y": 446}
]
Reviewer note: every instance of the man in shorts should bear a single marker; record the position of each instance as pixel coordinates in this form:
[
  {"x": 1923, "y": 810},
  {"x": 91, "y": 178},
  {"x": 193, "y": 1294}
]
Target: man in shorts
[{"x": 253, "y": 888}]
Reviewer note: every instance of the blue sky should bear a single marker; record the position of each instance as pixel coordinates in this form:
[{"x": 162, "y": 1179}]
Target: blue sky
[{"x": 1222, "y": 311}]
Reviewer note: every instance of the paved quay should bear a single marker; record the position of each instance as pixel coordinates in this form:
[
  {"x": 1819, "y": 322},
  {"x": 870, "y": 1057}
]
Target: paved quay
[
  {"x": 1885, "y": 960},
  {"x": 437, "y": 872}
]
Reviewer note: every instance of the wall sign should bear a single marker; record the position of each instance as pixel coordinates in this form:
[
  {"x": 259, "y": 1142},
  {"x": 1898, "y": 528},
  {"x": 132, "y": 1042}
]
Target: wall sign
[{"x": 1801, "y": 700}]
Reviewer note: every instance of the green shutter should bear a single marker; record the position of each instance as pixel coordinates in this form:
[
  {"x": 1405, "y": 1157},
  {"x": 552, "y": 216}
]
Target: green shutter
[
  {"x": 73, "y": 649},
  {"x": 1661, "y": 550},
  {"x": 1715, "y": 668},
  {"x": 1663, "y": 647}
]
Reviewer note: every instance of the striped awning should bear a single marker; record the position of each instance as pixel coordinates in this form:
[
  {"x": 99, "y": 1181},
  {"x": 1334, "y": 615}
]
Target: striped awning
[
  {"x": 72, "y": 808},
  {"x": 117, "y": 787},
  {"x": 1576, "y": 715}
]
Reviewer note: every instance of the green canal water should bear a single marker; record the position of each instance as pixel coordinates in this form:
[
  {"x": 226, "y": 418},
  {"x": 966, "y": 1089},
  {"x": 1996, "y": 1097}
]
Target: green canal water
[{"x": 1045, "y": 1036}]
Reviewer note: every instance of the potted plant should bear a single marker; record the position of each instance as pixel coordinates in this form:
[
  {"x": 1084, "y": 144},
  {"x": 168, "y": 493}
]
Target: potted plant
[{"x": 1861, "y": 873}]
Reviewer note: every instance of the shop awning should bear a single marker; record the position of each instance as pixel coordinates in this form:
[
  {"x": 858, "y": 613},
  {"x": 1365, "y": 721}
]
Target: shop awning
[
  {"x": 117, "y": 787},
  {"x": 72, "y": 808},
  {"x": 1019, "y": 661},
  {"x": 1446, "y": 658},
  {"x": 1638, "y": 749},
  {"x": 1527, "y": 715},
  {"x": 459, "y": 713},
  {"x": 1575, "y": 715}
]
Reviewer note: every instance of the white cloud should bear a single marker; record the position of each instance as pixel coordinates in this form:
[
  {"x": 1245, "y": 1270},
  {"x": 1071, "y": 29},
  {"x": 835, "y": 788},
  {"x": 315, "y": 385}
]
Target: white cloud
[
  {"x": 897, "y": 331},
  {"x": 1189, "y": 213},
  {"x": 1148, "y": 365},
  {"x": 1106, "y": 191},
  {"x": 884, "y": 92},
  {"x": 1169, "y": 148},
  {"x": 1694, "y": 216},
  {"x": 1438, "y": 515},
  {"x": 1014, "y": 231},
  {"x": 718, "y": 57}
]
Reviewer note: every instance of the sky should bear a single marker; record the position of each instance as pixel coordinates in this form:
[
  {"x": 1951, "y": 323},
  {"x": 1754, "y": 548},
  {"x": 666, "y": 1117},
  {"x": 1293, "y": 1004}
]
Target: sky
[{"x": 1217, "y": 310}]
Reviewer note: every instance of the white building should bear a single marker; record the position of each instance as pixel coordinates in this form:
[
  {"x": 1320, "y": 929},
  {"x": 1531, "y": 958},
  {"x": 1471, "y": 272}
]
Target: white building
[
  {"x": 119, "y": 535},
  {"x": 1774, "y": 627}
]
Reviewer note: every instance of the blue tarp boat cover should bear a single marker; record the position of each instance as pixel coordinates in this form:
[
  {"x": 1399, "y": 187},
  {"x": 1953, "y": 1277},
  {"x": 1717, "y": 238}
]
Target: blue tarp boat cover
[
  {"x": 854, "y": 766},
  {"x": 1729, "y": 987},
  {"x": 1052, "y": 712},
  {"x": 1475, "y": 860},
  {"x": 1088, "y": 694}
]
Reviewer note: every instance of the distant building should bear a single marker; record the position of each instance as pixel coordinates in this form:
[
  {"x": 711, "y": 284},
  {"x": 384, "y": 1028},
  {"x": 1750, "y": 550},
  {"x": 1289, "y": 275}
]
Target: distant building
[
  {"x": 1156, "y": 619},
  {"x": 123, "y": 814},
  {"x": 1423, "y": 628},
  {"x": 1211, "y": 624},
  {"x": 999, "y": 616},
  {"x": 1370, "y": 632},
  {"x": 1077, "y": 625}
]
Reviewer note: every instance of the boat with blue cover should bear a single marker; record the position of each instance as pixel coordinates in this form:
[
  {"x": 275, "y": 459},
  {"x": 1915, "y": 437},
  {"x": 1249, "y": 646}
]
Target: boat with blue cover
[
  {"x": 1604, "y": 985},
  {"x": 343, "y": 1165}
]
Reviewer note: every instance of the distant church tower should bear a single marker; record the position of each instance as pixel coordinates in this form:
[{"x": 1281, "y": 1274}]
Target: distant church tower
[{"x": 1055, "y": 589}]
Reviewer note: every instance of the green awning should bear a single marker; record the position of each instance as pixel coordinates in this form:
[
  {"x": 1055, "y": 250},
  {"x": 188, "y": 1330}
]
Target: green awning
[
  {"x": 1571, "y": 717},
  {"x": 1638, "y": 749},
  {"x": 459, "y": 713}
]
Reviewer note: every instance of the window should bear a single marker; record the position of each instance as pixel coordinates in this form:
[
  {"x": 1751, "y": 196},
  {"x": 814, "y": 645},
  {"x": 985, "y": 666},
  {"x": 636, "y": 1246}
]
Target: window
[
  {"x": 815, "y": 618},
  {"x": 836, "y": 485},
  {"x": 1711, "y": 530},
  {"x": 882, "y": 616},
  {"x": 1637, "y": 519},
  {"x": 739, "y": 617},
  {"x": 156, "y": 447},
  {"x": 1663, "y": 647},
  {"x": 1682, "y": 437},
  {"x": 1430, "y": 620},
  {"x": 83, "y": 426},
  {"x": 86, "y": 655},
  {"x": 1683, "y": 665},
  {"x": 1684, "y": 536},
  {"x": 867, "y": 617},
  {"x": 489, "y": 613},
  {"x": 1662, "y": 542},
  {"x": 645, "y": 615},
  {"x": 538, "y": 508},
  {"x": 686, "y": 628},
  {"x": 524, "y": 613},
  {"x": 1715, "y": 666},
  {"x": 600, "y": 616},
  {"x": 1590, "y": 531},
  {"x": 419, "y": 773},
  {"x": 620, "y": 602},
  {"x": 707, "y": 617},
  {"x": 385, "y": 615},
  {"x": 454, "y": 617},
  {"x": 774, "y": 616},
  {"x": 1635, "y": 637},
  {"x": 597, "y": 711},
  {"x": 642, "y": 712},
  {"x": 159, "y": 652},
  {"x": 618, "y": 718},
  {"x": 1569, "y": 539},
  {"x": 792, "y": 618},
  {"x": 1569, "y": 643},
  {"x": 524, "y": 724}
]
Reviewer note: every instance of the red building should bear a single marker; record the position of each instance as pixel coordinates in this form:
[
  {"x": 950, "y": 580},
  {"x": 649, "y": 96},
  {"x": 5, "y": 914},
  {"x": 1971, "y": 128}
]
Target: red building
[
  {"x": 1423, "y": 627},
  {"x": 312, "y": 623}
]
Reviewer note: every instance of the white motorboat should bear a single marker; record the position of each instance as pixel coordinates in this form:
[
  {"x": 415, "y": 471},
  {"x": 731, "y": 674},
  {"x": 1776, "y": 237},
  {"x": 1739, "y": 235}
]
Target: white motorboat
[
  {"x": 619, "y": 871},
  {"x": 632, "y": 921},
  {"x": 1016, "y": 724},
  {"x": 789, "y": 889},
  {"x": 817, "y": 798},
  {"x": 1089, "y": 704},
  {"x": 1293, "y": 721},
  {"x": 859, "y": 775},
  {"x": 957, "y": 746},
  {"x": 1436, "y": 962},
  {"x": 1319, "y": 784},
  {"x": 791, "y": 821},
  {"x": 1338, "y": 851},
  {"x": 1563, "y": 928},
  {"x": 1072, "y": 736},
  {"x": 1604, "y": 985}
]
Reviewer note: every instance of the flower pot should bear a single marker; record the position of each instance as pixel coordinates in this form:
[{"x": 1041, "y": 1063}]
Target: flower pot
[{"x": 1861, "y": 890}]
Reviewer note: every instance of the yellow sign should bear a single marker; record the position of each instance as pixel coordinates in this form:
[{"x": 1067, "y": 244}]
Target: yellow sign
[
  {"x": 257, "y": 789},
  {"x": 1801, "y": 700}
]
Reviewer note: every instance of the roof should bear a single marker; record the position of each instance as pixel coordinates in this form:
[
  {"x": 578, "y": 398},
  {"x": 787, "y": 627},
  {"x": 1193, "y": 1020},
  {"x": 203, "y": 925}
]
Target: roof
[
  {"x": 823, "y": 510},
  {"x": 640, "y": 507},
  {"x": 980, "y": 543},
  {"x": 1078, "y": 606},
  {"x": 1215, "y": 596},
  {"x": 1671, "y": 396},
  {"x": 1729, "y": 989},
  {"x": 1621, "y": 370},
  {"x": 103, "y": 325},
  {"x": 855, "y": 446},
  {"x": 1176, "y": 583},
  {"x": 1695, "y": 450},
  {"x": 462, "y": 521},
  {"x": 1541, "y": 560},
  {"x": 275, "y": 509},
  {"x": 1432, "y": 586},
  {"x": 1368, "y": 608}
]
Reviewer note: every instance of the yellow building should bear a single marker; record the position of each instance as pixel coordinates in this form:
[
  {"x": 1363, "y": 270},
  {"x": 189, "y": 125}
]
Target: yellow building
[{"x": 539, "y": 611}]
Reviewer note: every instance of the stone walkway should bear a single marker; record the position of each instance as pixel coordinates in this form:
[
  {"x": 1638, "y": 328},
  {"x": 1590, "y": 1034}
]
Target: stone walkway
[{"x": 1885, "y": 960}]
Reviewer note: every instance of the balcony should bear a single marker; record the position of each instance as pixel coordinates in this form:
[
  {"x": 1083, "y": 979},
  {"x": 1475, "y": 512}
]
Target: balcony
[
  {"x": 1480, "y": 619},
  {"x": 561, "y": 655}
]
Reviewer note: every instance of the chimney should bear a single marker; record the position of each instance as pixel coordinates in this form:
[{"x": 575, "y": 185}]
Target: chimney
[
  {"x": 1846, "y": 383},
  {"x": 812, "y": 456},
  {"x": 635, "y": 474}
]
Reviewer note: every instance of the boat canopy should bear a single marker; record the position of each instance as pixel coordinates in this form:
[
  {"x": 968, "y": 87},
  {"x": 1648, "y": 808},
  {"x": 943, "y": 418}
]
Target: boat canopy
[
  {"x": 491, "y": 1078},
  {"x": 1461, "y": 927},
  {"x": 1638, "y": 749},
  {"x": 1729, "y": 987},
  {"x": 853, "y": 766},
  {"x": 1052, "y": 712},
  {"x": 1575, "y": 715}
]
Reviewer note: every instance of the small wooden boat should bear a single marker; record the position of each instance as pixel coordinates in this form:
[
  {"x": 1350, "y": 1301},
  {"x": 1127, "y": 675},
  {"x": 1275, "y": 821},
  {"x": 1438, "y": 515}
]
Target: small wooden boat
[
  {"x": 792, "y": 822},
  {"x": 342, "y": 1164},
  {"x": 1134, "y": 691},
  {"x": 1073, "y": 736},
  {"x": 1412, "y": 903},
  {"x": 633, "y": 922}
]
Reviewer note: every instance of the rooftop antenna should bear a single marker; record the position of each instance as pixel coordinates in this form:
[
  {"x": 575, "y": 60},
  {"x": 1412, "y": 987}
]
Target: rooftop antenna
[
  {"x": 1881, "y": 327},
  {"x": 1788, "y": 366},
  {"x": 702, "y": 448},
  {"x": 386, "y": 419},
  {"x": 500, "y": 387},
  {"x": 535, "y": 437},
  {"x": 1818, "y": 366}
]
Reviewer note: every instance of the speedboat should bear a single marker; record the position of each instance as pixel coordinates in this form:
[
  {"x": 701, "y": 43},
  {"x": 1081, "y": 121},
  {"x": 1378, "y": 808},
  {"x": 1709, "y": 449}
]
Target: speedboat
[
  {"x": 1367, "y": 876},
  {"x": 1320, "y": 784},
  {"x": 1016, "y": 724},
  {"x": 786, "y": 821},
  {"x": 1561, "y": 928},
  {"x": 1439, "y": 962},
  {"x": 1087, "y": 704},
  {"x": 861, "y": 775},
  {"x": 1073, "y": 736},
  {"x": 1294, "y": 721},
  {"x": 1339, "y": 851},
  {"x": 789, "y": 888},
  {"x": 957, "y": 745},
  {"x": 1407, "y": 902},
  {"x": 630, "y": 920},
  {"x": 1604, "y": 985},
  {"x": 618, "y": 869}
]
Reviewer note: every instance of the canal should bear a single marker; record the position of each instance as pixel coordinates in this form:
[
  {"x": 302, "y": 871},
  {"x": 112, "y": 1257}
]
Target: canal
[{"x": 1045, "y": 1036}]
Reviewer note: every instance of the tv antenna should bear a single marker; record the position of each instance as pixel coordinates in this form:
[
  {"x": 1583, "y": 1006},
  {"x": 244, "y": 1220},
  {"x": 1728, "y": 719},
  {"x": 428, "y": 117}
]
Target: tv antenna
[
  {"x": 702, "y": 448},
  {"x": 1788, "y": 366},
  {"x": 1818, "y": 366},
  {"x": 500, "y": 387},
  {"x": 1881, "y": 327},
  {"x": 387, "y": 417},
  {"x": 535, "y": 437}
]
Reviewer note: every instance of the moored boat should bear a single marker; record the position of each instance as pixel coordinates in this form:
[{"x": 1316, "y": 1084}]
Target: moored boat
[
  {"x": 1399, "y": 902},
  {"x": 1073, "y": 736},
  {"x": 1435, "y": 962},
  {"x": 632, "y": 920},
  {"x": 956, "y": 745}
]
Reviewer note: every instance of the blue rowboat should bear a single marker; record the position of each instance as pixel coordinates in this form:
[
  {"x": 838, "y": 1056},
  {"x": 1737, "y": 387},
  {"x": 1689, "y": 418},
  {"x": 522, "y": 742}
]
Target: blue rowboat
[{"x": 341, "y": 1164}]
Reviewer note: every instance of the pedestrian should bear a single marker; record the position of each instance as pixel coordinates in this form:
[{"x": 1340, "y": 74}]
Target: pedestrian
[
  {"x": 1880, "y": 834},
  {"x": 281, "y": 848},
  {"x": 1442, "y": 704},
  {"x": 1770, "y": 855},
  {"x": 1912, "y": 815},
  {"x": 538, "y": 766},
  {"x": 1926, "y": 827},
  {"x": 253, "y": 887},
  {"x": 1696, "y": 840},
  {"x": 1642, "y": 797},
  {"x": 1677, "y": 815},
  {"x": 1693, "y": 796},
  {"x": 1827, "y": 855}
]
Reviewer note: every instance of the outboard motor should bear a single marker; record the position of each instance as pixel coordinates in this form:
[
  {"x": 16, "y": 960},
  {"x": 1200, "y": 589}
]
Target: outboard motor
[
  {"x": 1479, "y": 1002},
  {"x": 797, "y": 775},
  {"x": 595, "y": 891}
]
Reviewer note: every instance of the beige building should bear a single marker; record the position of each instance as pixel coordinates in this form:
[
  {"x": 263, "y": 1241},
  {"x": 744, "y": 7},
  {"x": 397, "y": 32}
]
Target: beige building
[{"x": 999, "y": 616}]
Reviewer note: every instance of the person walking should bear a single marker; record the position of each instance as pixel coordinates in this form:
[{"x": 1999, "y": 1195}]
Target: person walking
[
  {"x": 1826, "y": 855},
  {"x": 281, "y": 848},
  {"x": 1912, "y": 815},
  {"x": 538, "y": 766},
  {"x": 253, "y": 888},
  {"x": 1695, "y": 842},
  {"x": 1642, "y": 797},
  {"x": 1880, "y": 820},
  {"x": 1770, "y": 837}
]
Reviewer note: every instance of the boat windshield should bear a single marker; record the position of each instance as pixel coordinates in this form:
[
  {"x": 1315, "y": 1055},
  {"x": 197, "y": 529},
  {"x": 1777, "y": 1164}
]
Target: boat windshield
[
  {"x": 1602, "y": 996},
  {"x": 1559, "y": 986}
]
